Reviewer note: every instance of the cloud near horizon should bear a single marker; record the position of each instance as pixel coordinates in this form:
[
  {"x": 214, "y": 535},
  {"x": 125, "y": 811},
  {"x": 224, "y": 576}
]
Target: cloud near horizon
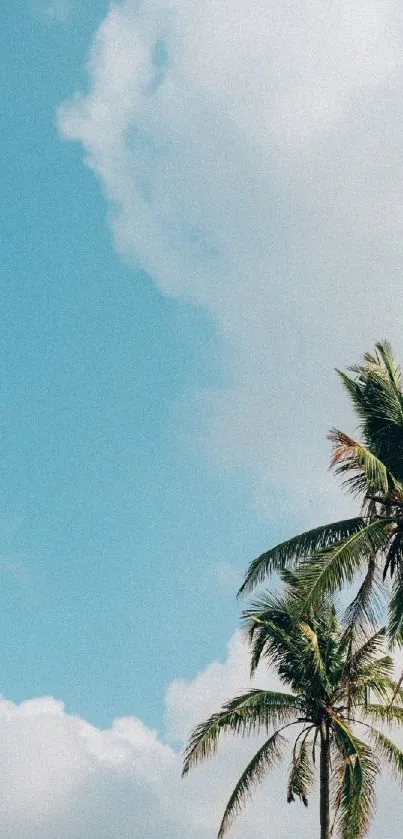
[
  {"x": 251, "y": 162},
  {"x": 63, "y": 777}
]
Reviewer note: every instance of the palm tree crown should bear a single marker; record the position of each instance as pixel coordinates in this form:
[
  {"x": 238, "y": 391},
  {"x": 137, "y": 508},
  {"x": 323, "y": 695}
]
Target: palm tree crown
[
  {"x": 331, "y": 556},
  {"x": 336, "y": 695}
]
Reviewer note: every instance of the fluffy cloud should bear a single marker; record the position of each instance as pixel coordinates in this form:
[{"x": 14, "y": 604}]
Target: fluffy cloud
[
  {"x": 63, "y": 777},
  {"x": 251, "y": 160}
]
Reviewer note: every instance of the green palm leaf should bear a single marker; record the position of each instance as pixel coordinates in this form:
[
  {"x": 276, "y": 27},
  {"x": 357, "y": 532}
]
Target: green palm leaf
[
  {"x": 357, "y": 793},
  {"x": 389, "y": 752},
  {"x": 376, "y": 678},
  {"x": 366, "y": 472},
  {"x": 372, "y": 647},
  {"x": 385, "y": 352},
  {"x": 312, "y": 641},
  {"x": 269, "y": 624},
  {"x": 288, "y": 553},
  {"x": 335, "y": 686},
  {"x": 328, "y": 570},
  {"x": 270, "y": 640},
  {"x": 391, "y": 715},
  {"x": 244, "y": 715},
  {"x": 395, "y": 623},
  {"x": 368, "y": 604},
  {"x": 264, "y": 760},
  {"x": 376, "y": 394},
  {"x": 302, "y": 774}
]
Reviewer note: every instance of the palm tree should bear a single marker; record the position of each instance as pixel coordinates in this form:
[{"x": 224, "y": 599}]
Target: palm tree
[
  {"x": 330, "y": 688},
  {"x": 331, "y": 556}
]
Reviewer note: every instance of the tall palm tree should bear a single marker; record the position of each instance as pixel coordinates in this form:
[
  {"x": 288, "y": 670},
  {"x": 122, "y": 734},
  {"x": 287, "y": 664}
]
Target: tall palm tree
[
  {"x": 335, "y": 696},
  {"x": 331, "y": 556}
]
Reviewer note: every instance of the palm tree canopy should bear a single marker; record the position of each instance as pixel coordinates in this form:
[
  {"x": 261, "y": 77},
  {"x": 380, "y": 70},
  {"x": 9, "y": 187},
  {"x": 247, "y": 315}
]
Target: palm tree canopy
[
  {"x": 375, "y": 390},
  {"x": 329, "y": 684},
  {"x": 371, "y": 544}
]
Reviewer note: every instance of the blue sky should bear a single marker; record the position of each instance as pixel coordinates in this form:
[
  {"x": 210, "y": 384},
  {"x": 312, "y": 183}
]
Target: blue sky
[
  {"x": 201, "y": 218},
  {"x": 111, "y": 524}
]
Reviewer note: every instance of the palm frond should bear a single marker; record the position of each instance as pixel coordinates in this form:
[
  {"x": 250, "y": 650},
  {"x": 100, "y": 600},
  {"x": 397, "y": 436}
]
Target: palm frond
[
  {"x": 356, "y": 795},
  {"x": 394, "y": 554},
  {"x": 272, "y": 642},
  {"x": 287, "y": 554},
  {"x": 355, "y": 392},
  {"x": 313, "y": 645},
  {"x": 374, "y": 392},
  {"x": 265, "y": 759},
  {"x": 367, "y": 606},
  {"x": 243, "y": 715},
  {"x": 301, "y": 652},
  {"x": 371, "y": 648},
  {"x": 391, "y": 715},
  {"x": 302, "y": 773},
  {"x": 385, "y": 352},
  {"x": 366, "y": 474},
  {"x": 280, "y": 650},
  {"x": 376, "y": 678},
  {"x": 395, "y": 617},
  {"x": 328, "y": 570},
  {"x": 389, "y": 752},
  {"x": 376, "y": 395},
  {"x": 269, "y": 623}
]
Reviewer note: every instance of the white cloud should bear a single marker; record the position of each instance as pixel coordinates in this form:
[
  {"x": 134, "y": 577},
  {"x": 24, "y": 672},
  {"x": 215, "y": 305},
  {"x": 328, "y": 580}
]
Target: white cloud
[
  {"x": 63, "y": 777},
  {"x": 251, "y": 159},
  {"x": 187, "y": 702}
]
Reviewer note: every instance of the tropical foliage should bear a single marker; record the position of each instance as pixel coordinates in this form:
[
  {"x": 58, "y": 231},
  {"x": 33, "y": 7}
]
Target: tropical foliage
[
  {"x": 331, "y": 556},
  {"x": 337, "y": 695},
  {"x": 338, "y": 677}
]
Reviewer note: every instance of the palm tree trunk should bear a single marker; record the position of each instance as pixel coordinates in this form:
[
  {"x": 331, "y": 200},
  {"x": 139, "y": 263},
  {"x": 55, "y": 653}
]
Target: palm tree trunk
[{"x": 324, "y": 781}]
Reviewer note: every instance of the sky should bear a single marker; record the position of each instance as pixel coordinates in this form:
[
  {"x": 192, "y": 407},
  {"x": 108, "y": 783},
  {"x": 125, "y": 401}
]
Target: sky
[{"x": 201, "y": 218}]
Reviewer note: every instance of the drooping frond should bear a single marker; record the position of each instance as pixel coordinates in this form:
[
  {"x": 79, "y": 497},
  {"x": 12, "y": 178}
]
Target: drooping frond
[
  {"x": 370, "y": 649},
  {"x": 328, "y": 570},
  {"x": 374, "y": 678},
  {"x": 302, "y": 772},
  {"x": 270, "y": 624},
  {"x": 366, "y": 474},
  {"x": 282, "y": 652},
  {"x": 356, "y": 391},
  {"x": 367, "y": 606},
  {"x": 394, "y": 553},
  {"x": 312, "y": 642},
  {"x": 389, "y": 714},
  {"x": 289, "y": 579},
  {"x": 389, "y": 752},
  {"x": 288, "y": 553},
  {"x": 258, "y": 643},
  {"x": 395, "y": 617},
  {"x": 244, "y": 715},
  {"x": 265, "y": 759},
  {"x": 357, "y": 770},
  {"x": 355, "y": 660}
]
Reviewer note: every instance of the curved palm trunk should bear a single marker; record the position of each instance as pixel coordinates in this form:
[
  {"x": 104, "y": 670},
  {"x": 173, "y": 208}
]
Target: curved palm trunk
[{"x": 324, "y": 790}]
